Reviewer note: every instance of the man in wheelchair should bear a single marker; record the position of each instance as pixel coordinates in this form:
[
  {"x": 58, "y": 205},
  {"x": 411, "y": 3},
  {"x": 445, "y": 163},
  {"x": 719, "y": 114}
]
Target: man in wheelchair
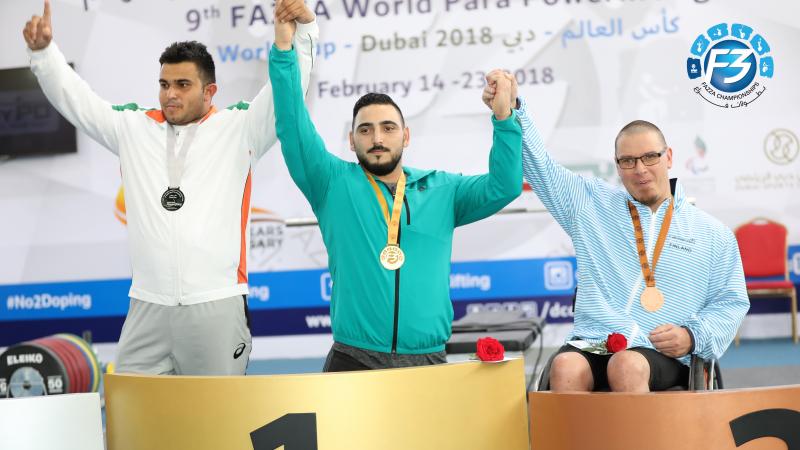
[{"x": 651, "y": 266}]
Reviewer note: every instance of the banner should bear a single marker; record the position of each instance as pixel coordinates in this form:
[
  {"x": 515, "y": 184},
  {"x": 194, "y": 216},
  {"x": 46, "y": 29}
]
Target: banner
[{"x": 585, "y": 68}]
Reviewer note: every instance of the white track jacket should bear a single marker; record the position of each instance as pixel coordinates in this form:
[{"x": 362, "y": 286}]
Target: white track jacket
[{"x": 199, "y": 252}]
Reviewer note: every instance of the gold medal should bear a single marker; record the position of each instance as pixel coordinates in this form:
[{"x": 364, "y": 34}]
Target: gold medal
[
  {"x": 392, "y": 257},
  {"x": 652, "y": 299}
]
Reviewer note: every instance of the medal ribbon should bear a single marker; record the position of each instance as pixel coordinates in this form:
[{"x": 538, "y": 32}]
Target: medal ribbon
[
  {"x": 647, "y": 272},
  {"x": 393, "y": 221},
  {"x": 175, "y": 162}
]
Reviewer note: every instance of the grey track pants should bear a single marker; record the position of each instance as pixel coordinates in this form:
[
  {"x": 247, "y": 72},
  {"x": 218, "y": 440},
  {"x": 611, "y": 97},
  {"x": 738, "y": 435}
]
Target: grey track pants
[{"x": 211, "y": 338}]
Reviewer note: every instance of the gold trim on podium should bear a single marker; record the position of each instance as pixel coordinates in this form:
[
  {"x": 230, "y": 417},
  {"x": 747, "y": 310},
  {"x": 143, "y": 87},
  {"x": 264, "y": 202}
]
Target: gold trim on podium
[{"x": 468, "y": 405}]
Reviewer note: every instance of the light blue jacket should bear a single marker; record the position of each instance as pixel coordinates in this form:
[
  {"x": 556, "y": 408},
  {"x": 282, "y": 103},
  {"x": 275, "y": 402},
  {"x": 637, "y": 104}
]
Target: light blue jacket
[{"x": 699, "y": 271}]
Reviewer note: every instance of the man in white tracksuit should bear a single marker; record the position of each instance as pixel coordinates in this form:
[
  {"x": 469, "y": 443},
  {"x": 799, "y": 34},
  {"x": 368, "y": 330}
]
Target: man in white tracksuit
[{"x": 186, "y": 171}]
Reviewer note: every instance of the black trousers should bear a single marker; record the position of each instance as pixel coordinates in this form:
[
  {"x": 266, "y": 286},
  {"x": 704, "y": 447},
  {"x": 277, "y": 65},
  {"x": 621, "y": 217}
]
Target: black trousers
[
  {"x": 342, "y": 362},
  {"x": 665, "y": 372}
]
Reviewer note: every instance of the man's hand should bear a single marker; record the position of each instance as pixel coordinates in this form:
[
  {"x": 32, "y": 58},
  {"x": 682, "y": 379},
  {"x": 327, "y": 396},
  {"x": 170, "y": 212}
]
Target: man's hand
[
  {"x": 284, "y": 30},
  {"x": 38, "y": 32},
  {"x": 671, "y": 340},
  {"x": 490, "y": 90},
  {"x": 289, "y": 10},
  {"x": 501, "y": 102}
]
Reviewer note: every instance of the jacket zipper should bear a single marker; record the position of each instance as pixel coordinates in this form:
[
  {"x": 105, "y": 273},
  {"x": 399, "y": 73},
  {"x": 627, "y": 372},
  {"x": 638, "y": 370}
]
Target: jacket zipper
[
  {"x": 397, "y": 281},
  {"x": 173, "y": 219}
]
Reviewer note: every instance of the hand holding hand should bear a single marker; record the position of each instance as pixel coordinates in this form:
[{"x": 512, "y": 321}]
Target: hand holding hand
[
  {"x": 501, "y": 103},
  {"x": 490, "y": 90},
  {"x": 284, "y": 29},
  {"x": 289, "y": 10}
]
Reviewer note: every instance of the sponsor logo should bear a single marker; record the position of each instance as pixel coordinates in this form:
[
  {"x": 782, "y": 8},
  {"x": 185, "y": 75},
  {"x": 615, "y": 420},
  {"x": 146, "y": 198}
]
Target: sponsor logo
[
  {"x": 28, "y": 358},
  {"x": 266, "y": 235},
  {"x": 558, "y": 276},
  {"x": 698, "y": 163},
  {"x": 731, "y": 63},
  {"x": 26, "y": 112},
  {"x": 551, "y": 311},
  {"x": 781, "y": 146},
  {"x": 326, "y": 286},
  {"x": 239, "y": 350}
]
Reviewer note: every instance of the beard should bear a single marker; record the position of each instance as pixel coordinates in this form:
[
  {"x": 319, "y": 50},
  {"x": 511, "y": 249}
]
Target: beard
[
  {"x": 190, "y": 113},
  {"x": 383, "y": 167},
  {"x": 650, "y": 199},
  {"x": 185, "y": 118}
]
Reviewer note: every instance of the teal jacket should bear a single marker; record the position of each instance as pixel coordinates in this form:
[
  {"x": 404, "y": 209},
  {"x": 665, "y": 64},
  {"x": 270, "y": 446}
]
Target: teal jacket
[{"x": 407, "y": 310}]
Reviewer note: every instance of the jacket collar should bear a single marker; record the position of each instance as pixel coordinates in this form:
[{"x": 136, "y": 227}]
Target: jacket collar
[{"x": 413, "y": 175}]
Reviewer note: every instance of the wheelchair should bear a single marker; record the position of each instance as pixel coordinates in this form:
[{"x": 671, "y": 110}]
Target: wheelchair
[{"x": 704, "y": 375}]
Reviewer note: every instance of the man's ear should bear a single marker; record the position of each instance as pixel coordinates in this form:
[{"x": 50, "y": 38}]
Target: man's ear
[
  {"x": 209, "y": 91},
  {"x": 406, "y": 137},
  {"x": 352, "y": 144},
  {"x": 669, "y": 157}
]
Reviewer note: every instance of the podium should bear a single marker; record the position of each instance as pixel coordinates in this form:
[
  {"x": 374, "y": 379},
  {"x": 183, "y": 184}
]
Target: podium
[
  {"x": 735, "y": 419},
  {"x": 469, "y": 405}
]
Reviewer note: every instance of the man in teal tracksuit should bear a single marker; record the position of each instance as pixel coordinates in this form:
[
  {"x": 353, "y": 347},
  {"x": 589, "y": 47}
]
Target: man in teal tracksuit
[{"x": 386, "y": 315}]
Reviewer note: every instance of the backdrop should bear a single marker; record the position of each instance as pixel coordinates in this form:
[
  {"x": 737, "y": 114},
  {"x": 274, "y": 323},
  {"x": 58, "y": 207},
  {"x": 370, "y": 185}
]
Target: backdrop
[{"x": 585, "y": 67}]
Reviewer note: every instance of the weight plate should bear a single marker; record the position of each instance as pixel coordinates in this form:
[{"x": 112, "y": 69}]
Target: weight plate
[{"x": 40, "y": 358}]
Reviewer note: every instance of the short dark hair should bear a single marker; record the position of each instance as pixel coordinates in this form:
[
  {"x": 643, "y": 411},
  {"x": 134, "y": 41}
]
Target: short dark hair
[
  {"x": 191, "y": 51},
  {"x": 638, "y": 126},
  {"x": 374, "y": 98}
]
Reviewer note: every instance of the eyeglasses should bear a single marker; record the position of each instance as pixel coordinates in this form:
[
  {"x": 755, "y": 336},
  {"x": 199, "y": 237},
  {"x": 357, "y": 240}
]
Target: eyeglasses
[{"x": 648, "y": 159}]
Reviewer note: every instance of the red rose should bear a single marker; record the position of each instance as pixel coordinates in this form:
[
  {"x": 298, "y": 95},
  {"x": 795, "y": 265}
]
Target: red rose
[
  {"x": 616, "y": 342},
  {"x": 490, "y": 349}
]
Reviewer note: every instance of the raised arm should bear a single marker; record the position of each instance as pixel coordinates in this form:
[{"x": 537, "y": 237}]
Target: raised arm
[
  {"x": 309, "y": 163},
  {"x": 261, "y": 112},
  {"x": 483, "y": 195},
  {"x": 65, "y": 90},
  {"x": 561, "y": 191}
]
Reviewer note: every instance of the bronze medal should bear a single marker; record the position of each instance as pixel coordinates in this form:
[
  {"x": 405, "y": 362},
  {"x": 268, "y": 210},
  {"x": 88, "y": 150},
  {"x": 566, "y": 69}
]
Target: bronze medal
[{"x": 652, "y": 299}]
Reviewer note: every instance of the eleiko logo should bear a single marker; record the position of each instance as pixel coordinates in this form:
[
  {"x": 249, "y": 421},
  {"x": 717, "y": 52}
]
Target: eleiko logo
[{"x": 729, "y": 62}]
